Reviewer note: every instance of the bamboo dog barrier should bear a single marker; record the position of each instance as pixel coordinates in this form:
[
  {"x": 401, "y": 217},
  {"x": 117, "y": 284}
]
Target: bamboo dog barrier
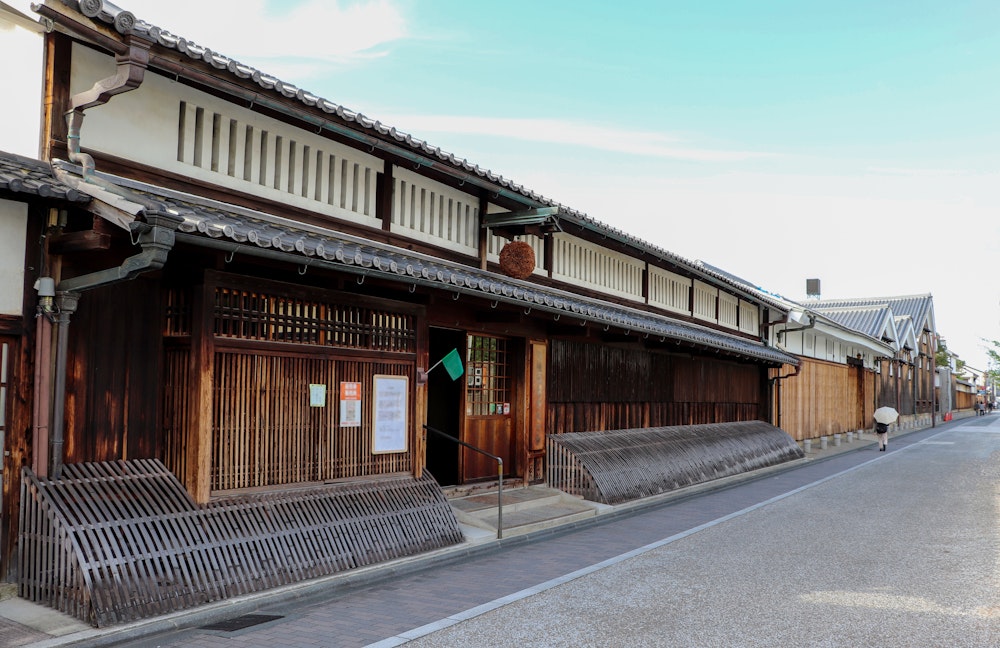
[
  {"x": 117, "y": 541},
  {"x": 621, "y": 465}
]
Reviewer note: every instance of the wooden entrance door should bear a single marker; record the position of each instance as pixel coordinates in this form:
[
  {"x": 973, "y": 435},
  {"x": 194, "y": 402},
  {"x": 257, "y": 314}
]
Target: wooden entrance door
[{"x": 489, "y": 410}]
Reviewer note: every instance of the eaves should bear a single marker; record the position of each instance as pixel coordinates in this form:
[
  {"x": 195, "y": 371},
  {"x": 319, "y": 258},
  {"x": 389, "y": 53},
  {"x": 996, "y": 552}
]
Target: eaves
[
  {"x": 25, "y": 176},
  {"x": 323, "y": 114},
  {"x": 238, "y": 230}
]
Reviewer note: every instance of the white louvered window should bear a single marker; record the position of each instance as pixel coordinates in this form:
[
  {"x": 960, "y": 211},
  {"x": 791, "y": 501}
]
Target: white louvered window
[
  {"x": 705, "y": 298},
  {"x": 591, "y": 266},
  {"x": 435, "y": 213},
  {"x": 749, "y": 318},
  {"x": 729, "y": 309},
  {"x": 669, "y": 291}
]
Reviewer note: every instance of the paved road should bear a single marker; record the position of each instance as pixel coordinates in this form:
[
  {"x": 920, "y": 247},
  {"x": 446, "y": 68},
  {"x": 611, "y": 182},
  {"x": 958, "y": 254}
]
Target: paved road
[
  {"x": 863, "y": 548},
  {"x": 901, "y": 551}
]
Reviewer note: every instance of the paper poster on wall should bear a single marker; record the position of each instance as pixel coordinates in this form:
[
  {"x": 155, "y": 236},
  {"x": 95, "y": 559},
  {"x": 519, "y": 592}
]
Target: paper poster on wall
[
  {"x": 317, "y": 395},
  {"x": 389, "y": 409},
  {"x": 350, "y": 404}
]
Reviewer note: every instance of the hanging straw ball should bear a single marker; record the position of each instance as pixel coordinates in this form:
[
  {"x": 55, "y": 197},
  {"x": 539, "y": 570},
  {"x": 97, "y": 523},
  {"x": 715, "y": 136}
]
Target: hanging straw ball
[{"x": 517, "y": 260}]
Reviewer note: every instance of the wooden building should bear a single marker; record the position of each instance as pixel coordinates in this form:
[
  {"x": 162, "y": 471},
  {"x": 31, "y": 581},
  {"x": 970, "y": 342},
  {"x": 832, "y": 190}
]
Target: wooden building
[
  {"x": 834, "y": 386},
  {"x": 907, "y": 378},
  {"x": 834, "y": 389},
  {"x": 252, "y": 282}
]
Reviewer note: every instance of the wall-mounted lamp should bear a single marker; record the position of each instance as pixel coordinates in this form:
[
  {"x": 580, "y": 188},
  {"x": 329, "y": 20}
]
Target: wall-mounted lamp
[{"x": 46, "y": 287}]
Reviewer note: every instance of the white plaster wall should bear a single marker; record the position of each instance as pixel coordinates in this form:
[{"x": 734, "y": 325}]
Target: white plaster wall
[
  {"x": 142, "y": 125},
  {"x": 13, "y": 226},
  {"x": 22, "y": 51}
]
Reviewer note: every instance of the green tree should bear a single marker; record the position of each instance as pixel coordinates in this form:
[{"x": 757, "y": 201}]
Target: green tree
[
  {"x": 993, "y": 353},
  {"x": 941, "y": 357}
]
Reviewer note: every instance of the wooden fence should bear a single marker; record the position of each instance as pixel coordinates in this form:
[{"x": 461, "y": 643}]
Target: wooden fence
[
  {"x": 824, "y": 398},
  {"x": 117, "y": 541}
]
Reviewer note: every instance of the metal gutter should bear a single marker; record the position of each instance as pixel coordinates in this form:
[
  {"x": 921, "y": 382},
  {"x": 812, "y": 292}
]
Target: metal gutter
[{"x": 156, "y": 236}]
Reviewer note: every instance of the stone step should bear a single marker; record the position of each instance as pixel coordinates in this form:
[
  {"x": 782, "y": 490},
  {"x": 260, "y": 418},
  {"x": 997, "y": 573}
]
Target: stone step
[
  {"x": 524, "y": 510},
  {"x": 512, "y": 499}
]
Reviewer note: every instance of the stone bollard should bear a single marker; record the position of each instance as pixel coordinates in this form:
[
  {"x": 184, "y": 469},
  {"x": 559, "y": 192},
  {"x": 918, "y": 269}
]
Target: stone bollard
[
  {"x": 836, "y": 440},
  {"x": 822, "y": 443},
  {"x": 807, "y": 445},
  {"x": 850, "y": 437}
]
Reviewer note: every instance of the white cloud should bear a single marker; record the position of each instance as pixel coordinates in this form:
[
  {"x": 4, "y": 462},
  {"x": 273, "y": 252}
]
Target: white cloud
[
  {"x": 574, "y": 133},
  {"x": 317, "y": 31},
  {"x": 902, "y": 171}
]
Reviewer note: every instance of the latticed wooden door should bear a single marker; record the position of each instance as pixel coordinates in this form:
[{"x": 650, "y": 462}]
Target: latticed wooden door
[{"x": 489, "y": 410}]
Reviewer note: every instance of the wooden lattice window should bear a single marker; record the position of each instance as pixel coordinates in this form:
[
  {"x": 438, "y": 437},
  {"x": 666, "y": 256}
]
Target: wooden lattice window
[
  {"x": 177, "y": 313},
  {"x": 255, "y": 315},
  {"x": 488, "y": 382}
]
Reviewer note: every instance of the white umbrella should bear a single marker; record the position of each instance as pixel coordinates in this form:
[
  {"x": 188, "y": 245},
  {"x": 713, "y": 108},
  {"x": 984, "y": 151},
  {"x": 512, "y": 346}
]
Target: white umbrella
[{"x": 886, "y": 415}]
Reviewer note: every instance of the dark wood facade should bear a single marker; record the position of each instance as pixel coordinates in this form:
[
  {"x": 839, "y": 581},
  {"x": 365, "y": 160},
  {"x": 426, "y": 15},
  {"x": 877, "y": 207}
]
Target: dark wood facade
[
  {"x": 595, "y": 387},
  {"x": 113, "y": 392},
  {"x": 907, "y": 381}
]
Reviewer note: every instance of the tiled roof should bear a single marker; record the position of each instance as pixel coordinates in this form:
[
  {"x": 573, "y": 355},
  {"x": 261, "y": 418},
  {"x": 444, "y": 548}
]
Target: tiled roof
[
  {"x": 869, "y": 320},
  {"x": 245, "y": 231},
  {"x": 22, "y": 175},
  {"x": 919, "y": 308},
  {"x": 127, "y": 23}
]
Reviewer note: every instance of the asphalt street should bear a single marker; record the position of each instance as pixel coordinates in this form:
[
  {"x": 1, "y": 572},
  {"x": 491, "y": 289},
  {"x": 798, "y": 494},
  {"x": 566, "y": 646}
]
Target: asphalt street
[{"x": 899, "y": 551}]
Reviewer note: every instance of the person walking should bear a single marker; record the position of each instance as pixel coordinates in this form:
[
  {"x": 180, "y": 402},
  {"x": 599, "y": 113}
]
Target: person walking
[
  {"x": 884, "y": 417},
  {"x": 882, "y": 434}
]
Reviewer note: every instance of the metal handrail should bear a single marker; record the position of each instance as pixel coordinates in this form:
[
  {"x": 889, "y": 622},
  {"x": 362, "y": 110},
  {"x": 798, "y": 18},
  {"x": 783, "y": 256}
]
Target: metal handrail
[{"x": 499, "y": 472}]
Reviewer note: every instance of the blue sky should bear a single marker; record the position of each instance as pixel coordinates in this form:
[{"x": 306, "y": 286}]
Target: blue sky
[{"x": 856, "y": 141}]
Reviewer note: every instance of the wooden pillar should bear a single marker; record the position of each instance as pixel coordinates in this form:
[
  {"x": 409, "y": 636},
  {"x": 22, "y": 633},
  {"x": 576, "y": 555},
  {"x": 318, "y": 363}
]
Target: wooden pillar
[
  {"x": 420, "y": 399},
  {"x": 537, "y": 413},
  {"x": 198, "y": 441},
  {"x": 484, "y": 205}
]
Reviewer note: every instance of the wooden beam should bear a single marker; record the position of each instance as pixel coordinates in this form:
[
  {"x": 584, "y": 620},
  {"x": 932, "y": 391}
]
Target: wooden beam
[
  {"x": 568, "y": 330},
  {"x": 498, "y": 315},
  {"x": 87, "y": 241},
  {"x": 384, "y": 186}
]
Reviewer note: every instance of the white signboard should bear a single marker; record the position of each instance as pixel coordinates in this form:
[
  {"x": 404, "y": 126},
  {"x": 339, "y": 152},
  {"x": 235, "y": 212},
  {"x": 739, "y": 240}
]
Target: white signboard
[{"x": 389, "y": 414}]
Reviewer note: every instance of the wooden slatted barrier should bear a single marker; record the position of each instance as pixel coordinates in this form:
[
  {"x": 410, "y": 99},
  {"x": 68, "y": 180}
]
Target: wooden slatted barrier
[
  {"x": 117, "y": 541},
  {"x": 622, "y": 465}
]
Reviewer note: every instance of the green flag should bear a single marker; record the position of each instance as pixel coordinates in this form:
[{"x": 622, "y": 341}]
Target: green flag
[{"x": 453, "y": 364}]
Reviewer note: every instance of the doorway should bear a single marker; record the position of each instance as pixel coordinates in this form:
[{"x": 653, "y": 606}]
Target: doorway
[
  {"x": 491, "y": 406},
  {"x": 444, "y": 407}
]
